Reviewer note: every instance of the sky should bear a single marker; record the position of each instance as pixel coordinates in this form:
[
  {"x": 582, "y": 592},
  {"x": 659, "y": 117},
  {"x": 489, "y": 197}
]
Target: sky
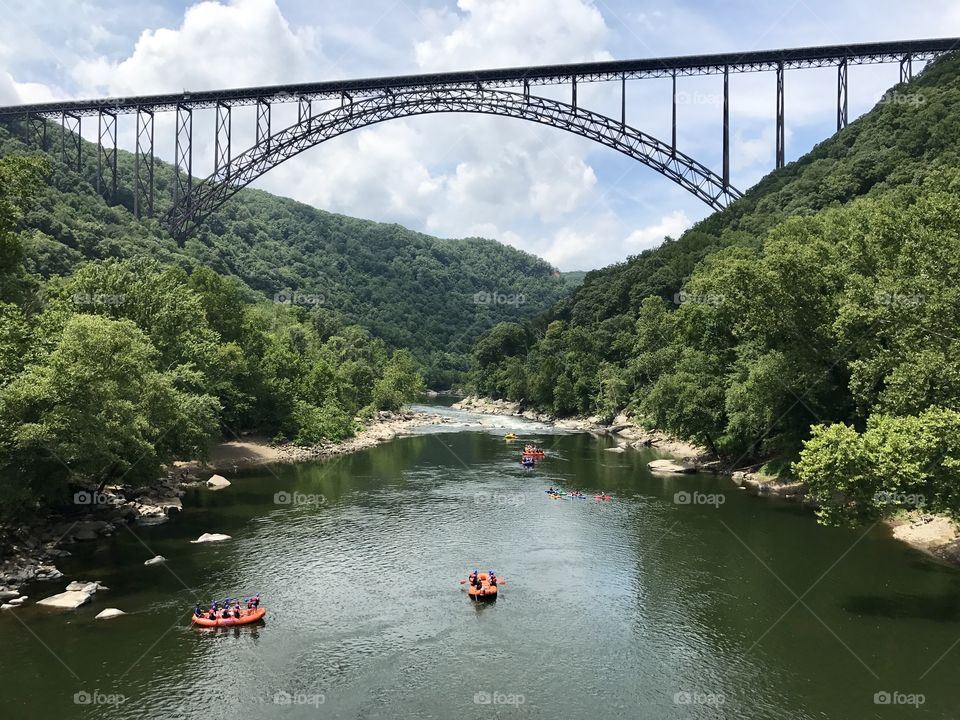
[{"x": 573, "y": 202}]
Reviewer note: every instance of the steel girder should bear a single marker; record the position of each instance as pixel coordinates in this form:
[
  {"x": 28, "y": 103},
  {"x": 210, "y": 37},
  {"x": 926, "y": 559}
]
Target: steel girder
[
  {"x": 143, "y": 165},
  {"x": 752, "y": 61},
  {"x": 37, "y": 131},
  {"x": 215, "y": 190},
  {"x": 183, "y": 155},
  {"x": 71, "y": 144},
  {"x": 781, "y": 137},
  {"x": 107, "y": 155},
  {"x": 842, "y": 95}
]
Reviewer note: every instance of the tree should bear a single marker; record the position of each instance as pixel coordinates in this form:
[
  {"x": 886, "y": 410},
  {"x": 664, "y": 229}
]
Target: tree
[{"x": 99, "y": 408}]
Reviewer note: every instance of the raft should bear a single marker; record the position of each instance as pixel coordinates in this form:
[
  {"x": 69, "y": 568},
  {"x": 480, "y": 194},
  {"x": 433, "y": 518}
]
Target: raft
[
  {"x": 533, "y": 452},
  {"x": 510, "y": 436},
  {"x": 485, "y": 593},
  {"x": 602, "y": 497},
  {"x": 246, "y": 617}
]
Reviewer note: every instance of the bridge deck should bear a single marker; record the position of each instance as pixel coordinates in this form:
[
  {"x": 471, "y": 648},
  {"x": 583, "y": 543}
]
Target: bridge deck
[{"x": 754, "y": 61}]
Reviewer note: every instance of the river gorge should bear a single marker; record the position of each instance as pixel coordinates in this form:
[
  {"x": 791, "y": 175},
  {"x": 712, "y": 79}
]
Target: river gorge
[{"x": 682, "y": 597}]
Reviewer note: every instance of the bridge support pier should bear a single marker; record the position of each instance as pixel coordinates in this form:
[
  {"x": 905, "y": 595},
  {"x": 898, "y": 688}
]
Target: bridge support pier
[
  {"x": 71, "y": 146},
  {"x": 221, "y": 156},
  {"x": 107, "y": 155},
  {"x": 906, "y": 68},
  {"x": 263, "y": 123},
  {"x": 842, "y": 95},
  {"x": 183, "y": 156},
  {"x": 37, "y": 131},
  {"x": 781, "y": 135},
  {"x": 304, "y": 111},
  {"x": 726, "y": 127},
  {"x": 673, "y": 104},
  {"x": 143, "y": 165}
]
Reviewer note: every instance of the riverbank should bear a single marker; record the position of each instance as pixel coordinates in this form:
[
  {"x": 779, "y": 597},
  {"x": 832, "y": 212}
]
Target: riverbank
[
  {"x": 934, "y": 535},
  {"x": 626, "y": 433},
  {"x": 30, "y": 551}
]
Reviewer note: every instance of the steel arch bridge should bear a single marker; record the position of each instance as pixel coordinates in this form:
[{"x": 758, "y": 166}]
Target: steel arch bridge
[
  {"x": 313, "y": 130},
  {"x": 364, "y": 102}
]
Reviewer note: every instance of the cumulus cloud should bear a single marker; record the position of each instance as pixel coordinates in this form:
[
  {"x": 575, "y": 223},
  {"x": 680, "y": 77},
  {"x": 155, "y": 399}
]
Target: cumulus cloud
[
  {"x": 670, "y": 225},
  {"x": 246, "y": 42}
]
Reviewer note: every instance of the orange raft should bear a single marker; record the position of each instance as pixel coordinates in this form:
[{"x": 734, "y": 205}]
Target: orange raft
[
  {"x": 485, "y": 593},
  {"x": 246, "y": 617}
]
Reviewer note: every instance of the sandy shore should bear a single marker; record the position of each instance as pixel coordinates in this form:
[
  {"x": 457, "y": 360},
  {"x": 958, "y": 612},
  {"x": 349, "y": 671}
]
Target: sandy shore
[{"x": 254, "y": 450}]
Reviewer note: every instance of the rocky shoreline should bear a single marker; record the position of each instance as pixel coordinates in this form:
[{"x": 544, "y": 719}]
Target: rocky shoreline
[
  {"x": 934, "y": 535},
  {"x": 28, "y": 553}
]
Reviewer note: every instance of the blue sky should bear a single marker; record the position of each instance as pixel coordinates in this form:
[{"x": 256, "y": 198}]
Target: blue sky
[{"x": 571, "y": 201}]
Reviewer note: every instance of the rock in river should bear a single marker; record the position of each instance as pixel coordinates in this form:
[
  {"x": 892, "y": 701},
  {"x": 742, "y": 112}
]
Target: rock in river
[
  {"x": 670, "y": 466},
  {"x": 211, "y": 537},
  {"x": 109, "y": 613},
  {"x": 218, "y": 482},
  {"x": 155, "y": 560},
  {"x": 69, "y": 600}
]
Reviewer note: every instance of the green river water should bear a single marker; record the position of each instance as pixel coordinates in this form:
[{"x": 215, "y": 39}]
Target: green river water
[{"x": 728, "y": 606}]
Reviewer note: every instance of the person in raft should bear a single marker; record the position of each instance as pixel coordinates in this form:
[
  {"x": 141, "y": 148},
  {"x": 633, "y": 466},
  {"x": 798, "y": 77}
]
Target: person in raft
[
  {"x": 492, "y": 576},
  {"x": 256, "y": 601},
  {"x": 236, "y": 610},
  {"x": 197, "y": 611},
  {"x": 472, "y": 578}
]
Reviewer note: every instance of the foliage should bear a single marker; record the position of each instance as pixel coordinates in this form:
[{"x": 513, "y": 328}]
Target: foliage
[{"x": 827, "y": 297}]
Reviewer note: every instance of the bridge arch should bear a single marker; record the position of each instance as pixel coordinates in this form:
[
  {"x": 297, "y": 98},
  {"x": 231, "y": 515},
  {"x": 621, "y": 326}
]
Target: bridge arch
[{"x": 215, "y": 190}]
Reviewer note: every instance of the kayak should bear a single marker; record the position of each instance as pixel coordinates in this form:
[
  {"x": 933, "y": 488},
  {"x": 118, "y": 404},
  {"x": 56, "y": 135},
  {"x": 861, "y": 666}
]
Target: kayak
[
  {"x": 602, "y": 497},
  {"x": 576, "y": 497},
  {"x": 554, "y": 496},
  {"x": 246, "y": 617},
  {"x": 485, "y": 593},
  {"x": 510, "y": 436}
]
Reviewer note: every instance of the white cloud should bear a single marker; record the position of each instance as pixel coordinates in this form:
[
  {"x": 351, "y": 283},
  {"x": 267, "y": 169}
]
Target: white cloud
[
  {"x": 671, "y": 224},
  {"x": 503, "y": 33},
  {"x": 246, "y": 42}
]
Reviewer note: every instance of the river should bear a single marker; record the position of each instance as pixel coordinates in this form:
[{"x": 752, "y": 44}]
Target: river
[{"x": 727, "y": 606}]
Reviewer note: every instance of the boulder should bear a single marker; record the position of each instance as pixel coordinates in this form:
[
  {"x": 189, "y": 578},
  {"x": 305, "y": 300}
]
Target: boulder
[
  {"x": 85, "y": 586},
  {"x": 17, "y": 602},
  {"x": 218, "y": 482},
  {"x": 670, "y": 466},
  {"x": 738, "y": 477},
  {"x": 155, "y": 560},
  {"x": 211, "y": 537},
  {"x": 8, "y": 606},
  {"x": 70, "y": 600},
  {"x": 8, "y": 594},
  {"x": 109, "y": 613},
  {"x": 48, "y": 572},
  {"x": 616, "y": 449}
]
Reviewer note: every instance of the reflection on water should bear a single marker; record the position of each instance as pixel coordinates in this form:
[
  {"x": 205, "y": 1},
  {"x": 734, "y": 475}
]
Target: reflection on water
[{"x": 638, "y": 607}]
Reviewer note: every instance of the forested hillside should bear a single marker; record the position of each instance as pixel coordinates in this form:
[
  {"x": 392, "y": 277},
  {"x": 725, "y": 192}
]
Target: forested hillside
[
  {"x": 824, "y": 303},
  {"x": 430, "y": 295}
]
